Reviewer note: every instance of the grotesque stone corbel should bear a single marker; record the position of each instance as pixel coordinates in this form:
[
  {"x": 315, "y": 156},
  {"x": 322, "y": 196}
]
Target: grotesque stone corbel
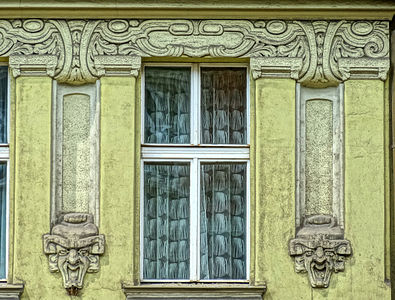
[
  {"x": 319, "y": 249},
  {"x": 73, "y": 248}
]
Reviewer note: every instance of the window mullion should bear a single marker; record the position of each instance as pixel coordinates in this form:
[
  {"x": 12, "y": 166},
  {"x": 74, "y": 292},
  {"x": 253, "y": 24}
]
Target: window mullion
[
  {"x": 195, "y": 104},
  {"x": 194, "y": 224}
]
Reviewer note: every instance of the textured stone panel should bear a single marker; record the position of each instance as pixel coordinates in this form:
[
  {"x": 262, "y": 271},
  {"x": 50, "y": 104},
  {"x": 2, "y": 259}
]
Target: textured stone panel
[
  {"x": 76, "y": 152},
  {"x": 319, "y": 157}
]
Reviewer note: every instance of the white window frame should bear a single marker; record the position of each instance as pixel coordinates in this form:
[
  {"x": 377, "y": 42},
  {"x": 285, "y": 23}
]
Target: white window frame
[
  {"x": 5, "y": 157},
  {"x": 195, "y": 154}
]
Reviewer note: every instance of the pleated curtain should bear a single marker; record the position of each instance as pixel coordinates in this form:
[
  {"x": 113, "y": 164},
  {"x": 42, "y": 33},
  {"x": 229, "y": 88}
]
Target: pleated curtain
[
  {"x": 222, "y": 184},
  {"x": 223, "y": 221}
]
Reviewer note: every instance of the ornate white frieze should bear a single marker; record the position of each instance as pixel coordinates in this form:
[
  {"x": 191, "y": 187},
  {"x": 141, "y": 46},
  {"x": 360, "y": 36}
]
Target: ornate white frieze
[{"x": 312, "y": 52}]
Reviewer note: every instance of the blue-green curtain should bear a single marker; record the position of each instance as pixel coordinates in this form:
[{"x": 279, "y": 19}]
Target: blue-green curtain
[
  {"x": 166, "y": 221},
  {"x": 223, "y": 221},
  {"x": 167, "y": 105},
  {"x": 223, "y": 106}
]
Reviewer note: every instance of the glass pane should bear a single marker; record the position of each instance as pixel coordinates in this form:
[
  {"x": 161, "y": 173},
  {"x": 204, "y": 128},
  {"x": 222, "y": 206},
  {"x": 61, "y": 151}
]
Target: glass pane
[
  {"x": 3, "y": 104},
  {"x": 3, "y": 217},
  {"x": 166, "y": 221},
  {"x": 167, "y": 105},
  {"x": 223, "y": 106},
  {"x": 223, "y": 221}
]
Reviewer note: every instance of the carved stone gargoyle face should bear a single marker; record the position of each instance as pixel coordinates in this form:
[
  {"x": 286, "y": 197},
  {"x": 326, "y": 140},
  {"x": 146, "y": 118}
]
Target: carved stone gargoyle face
[
  {"x": 319, "y": 257},
  {"x": 74, "y": 246}
]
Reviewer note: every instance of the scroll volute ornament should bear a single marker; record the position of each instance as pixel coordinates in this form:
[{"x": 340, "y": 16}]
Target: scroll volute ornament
[
  {"x": 73, "y": 248},
  {"x": 319, "y": 249},
  {"x": 316, "y": 53}
]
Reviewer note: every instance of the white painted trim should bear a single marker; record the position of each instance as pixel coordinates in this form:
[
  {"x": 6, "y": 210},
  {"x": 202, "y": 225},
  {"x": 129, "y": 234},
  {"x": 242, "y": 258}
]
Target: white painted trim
[
  {"x": 5, "y": 157},
  {"x": 195, "y": 105},
  {"x": 141, "y": 269},
  {"x": 8, "y": 105},
  {"x": 4, "y": 152},
  {"x": 194, "y": 209},
  {"x": 7, "y": 238},
  {"x": 7, "y": 244},
  {"x": 195, "y": 154}
]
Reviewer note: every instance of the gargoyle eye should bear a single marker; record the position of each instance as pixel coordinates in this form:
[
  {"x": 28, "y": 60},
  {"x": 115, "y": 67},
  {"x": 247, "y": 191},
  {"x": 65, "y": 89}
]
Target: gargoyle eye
[
  {"x": 63, "y": 252},
  {"x": 83, "y": 252},
  {"x": 309, "y": 253}
]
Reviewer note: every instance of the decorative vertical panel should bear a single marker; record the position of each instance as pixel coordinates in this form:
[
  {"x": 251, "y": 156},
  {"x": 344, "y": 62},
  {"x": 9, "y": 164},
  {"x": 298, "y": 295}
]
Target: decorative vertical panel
[
  {"x": 75, "y": 151},
  {"x": 320, "y": 155},
  {"x": 319, "y": 247}
]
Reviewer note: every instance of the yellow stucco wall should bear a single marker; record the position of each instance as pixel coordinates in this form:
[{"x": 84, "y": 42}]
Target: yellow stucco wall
[
  {"x": 366, "y": 174},
  {"x": 272, "y": 194},
  {"x": 273, "y": 143},
  {"x": 32, "y": 187},
  {"x": 275, "y": 189},
  {"x": 118, "y": 186}
]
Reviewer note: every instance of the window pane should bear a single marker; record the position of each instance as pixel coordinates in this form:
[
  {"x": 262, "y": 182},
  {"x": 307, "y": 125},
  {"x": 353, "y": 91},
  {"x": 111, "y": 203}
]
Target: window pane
[
  {"x": 166, "y": 221},
  {"x": 223, "y": 106},
  {"x": 3, "y": 217},
  {"x": 223, "y": 221},
  {"x": 167, "y": 105},
  {"x": 3, "y": 104}
]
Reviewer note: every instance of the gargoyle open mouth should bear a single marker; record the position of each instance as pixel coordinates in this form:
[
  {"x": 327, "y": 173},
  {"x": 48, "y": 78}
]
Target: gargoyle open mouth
[
  {"x": 73, "y": 276},
  {"x": 320, "y": 274}
]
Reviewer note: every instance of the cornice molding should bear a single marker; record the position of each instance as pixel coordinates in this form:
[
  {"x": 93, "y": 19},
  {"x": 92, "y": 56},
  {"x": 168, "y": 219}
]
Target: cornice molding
[
  {"x": 316, "y": 53},
  {"x": 203, "y": 9}
]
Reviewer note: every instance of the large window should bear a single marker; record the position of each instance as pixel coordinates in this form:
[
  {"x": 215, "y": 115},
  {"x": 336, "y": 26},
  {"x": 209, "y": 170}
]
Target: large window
[
  {"x": 195, "y": 173},
  {"x": 4, "y": 157}
]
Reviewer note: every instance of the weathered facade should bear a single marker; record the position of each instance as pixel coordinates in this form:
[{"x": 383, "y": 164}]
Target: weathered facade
[{"x": 308, "y": 174}]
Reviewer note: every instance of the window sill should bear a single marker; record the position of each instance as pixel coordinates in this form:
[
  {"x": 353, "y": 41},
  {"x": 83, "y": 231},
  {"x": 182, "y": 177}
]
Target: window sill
[
  {"x": 11, "y": 291},
  {"x": 187, "y": 291}
]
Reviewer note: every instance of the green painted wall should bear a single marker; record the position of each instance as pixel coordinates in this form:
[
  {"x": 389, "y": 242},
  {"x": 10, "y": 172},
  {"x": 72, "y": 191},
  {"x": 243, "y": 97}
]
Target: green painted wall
[
  {"x": 119, "y": 200},
  {"x": 365, "y": 198},
  {"x": 272, "y": 193},
  {"x": 366, "y": 174},
  {"x": 118, "y": 186},
  {"x": 275, "y": 189},
  {"x": 32, "y": 188}
]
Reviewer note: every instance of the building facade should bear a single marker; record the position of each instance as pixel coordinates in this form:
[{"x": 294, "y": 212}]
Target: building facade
[{"x": 196, "y": 150}]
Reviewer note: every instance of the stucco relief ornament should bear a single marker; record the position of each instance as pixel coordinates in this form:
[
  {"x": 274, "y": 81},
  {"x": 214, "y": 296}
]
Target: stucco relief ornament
[
  {"x": 317, "y": 53},
  {"x": 319, "y": 249},
  {"x": 73, "y": 248}
]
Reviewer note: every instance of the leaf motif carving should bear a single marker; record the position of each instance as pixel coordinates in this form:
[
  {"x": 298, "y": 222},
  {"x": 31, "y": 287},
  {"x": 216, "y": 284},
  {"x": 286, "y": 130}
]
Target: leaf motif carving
[{"x": 324, "y": 47}]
